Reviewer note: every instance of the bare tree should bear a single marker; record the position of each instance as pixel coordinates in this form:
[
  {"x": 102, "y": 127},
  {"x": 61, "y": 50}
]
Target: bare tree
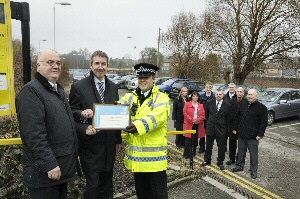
[
  {"x": 186, "y": 41},
  {"x": 252, "y": 31},
  {"x": 149, "y": 55}
]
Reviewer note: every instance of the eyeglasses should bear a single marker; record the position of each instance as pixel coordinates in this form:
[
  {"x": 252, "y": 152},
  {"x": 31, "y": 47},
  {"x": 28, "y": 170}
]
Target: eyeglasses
[{"x": 52, "y": 63}]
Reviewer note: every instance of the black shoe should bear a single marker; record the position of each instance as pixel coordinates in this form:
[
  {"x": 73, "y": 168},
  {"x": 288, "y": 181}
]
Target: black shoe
[
  {"x": 253, "y": 175},
  {"x": 205, "y": 163},
  {"x": 237, "y": 169},
  {"x": 229, "y": 162},
  {"x": 222, "y": 167},
  {"x": 201, "y": 151},
  {"x": 220, "y": 164}
]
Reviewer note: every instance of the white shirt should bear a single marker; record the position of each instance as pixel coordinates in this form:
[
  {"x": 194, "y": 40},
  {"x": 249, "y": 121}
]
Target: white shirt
[
  {"x": 220, "y": 104},
  {"x": 195, "y": 112},
  {"x": 231, "y": 95},
  {"x": 145, "y": 93}
]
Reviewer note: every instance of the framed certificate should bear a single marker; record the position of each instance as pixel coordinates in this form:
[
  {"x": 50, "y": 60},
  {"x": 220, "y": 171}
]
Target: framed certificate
[{"x": 111, "y": 117}]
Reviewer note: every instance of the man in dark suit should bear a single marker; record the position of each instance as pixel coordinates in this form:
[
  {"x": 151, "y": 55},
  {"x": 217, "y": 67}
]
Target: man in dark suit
[
  {"x": 206, "y": 96},
  {"x": 253, "y": 121},
  {"x": 230, "y": 95},
  {"x": 232, "y": 134},
  {"x": 97, "y": 149},
  {"x": 218, "y": 118}
]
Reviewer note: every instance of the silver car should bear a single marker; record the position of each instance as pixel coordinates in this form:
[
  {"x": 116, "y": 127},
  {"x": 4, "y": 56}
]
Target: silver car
[{"x": 281, "y": 102}]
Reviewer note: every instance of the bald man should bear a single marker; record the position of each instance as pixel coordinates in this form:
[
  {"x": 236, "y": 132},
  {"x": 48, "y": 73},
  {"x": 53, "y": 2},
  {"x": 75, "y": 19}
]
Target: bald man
[
  {"x": 253, "y": 121},
  {"x": 232, "y": 133},
  {"x": 47, "y": 131}
]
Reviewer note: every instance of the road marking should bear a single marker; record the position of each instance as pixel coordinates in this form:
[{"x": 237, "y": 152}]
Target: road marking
[
  {"x": 252, "y": 187},
  {"x": 283, "y": 126},
  {"x": 222, "y": 187}
]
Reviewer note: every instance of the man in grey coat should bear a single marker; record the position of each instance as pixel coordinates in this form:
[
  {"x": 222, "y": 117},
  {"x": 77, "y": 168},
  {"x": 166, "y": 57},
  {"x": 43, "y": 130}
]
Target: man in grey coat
[{"x": 47, "y": 131}]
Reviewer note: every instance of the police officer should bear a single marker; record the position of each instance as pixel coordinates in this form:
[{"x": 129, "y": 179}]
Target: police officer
[{"x": 146, "y": 151}]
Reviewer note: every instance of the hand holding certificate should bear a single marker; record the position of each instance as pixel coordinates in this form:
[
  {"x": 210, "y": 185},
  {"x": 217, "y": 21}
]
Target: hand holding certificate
[{"x": 111, "y": 117}]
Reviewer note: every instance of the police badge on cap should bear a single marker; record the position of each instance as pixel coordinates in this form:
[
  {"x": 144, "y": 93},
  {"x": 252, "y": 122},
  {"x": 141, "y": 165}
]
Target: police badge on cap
[{"x": 145, "y": 70}]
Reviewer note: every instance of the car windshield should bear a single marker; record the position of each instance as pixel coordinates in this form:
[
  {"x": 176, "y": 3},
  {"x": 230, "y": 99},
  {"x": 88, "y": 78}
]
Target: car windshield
[
  {"x": 194, "y": 85},
  {"x": 168, "y": 82},
  {"x": 177, "y": 85},
  {"x": 268, "y": 96}
]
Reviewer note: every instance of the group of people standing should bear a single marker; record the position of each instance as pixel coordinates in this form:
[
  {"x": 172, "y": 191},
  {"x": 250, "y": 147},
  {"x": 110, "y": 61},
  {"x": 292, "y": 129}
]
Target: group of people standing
[
  {"x": 60, "y": 141},
  {"x": 219, "y": 117}
]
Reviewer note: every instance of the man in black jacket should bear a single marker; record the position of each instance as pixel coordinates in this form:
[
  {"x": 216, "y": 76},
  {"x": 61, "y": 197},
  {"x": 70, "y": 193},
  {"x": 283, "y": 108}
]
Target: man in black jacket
[
  {"x": 231, "y": 94},
  {"x": 97, "y": 149},
  {"x": 47, "y": 131},
  {"x": 233, "y": 136},
  {"x": 204, "y": 98},
  {"x": 253, "y": 121},
  {"x": 218, "y": 119}
]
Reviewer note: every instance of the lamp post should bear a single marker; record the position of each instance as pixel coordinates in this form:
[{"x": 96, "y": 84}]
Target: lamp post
[
  {"x": 63, "y": 4},
  {"x": 130, "y": 37},
  {"x": 158, "y": 42},
  {"x": 62, "y": 61},
  {"x": 77, "y": 54},
  {"x": 40, "y": 44}
]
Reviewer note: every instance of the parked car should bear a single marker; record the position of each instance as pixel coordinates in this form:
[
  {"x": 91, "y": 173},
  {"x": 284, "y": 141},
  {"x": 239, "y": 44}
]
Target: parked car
[
  {"x": 119, "y": 81},
  {"x": 128, "y": 78},
  {"x": 281, "y": 102},
  {"x": 190, "y": 85},
  {"x": 217, "y": 86},
  {"x": 78, "y": 76},
  {"x": 167, "y": 85},
  {"x": 160, "y": 80},
  {"x": 132, "y": 84},
  {"x": 111, "y": 75}
]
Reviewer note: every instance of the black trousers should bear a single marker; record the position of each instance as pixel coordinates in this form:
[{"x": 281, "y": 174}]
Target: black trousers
[
  {"x": 202, "y": 144},
  {"x": 180, "y": 139},
  {"x": 53, "y": 192},
  {"x": 209, "y": 146},
  {"x": 98, "y": 185},
  {"x": 232, "y": 148},
  {"x": 188, "y": 144},
  {"x": 151, "y": 185}
]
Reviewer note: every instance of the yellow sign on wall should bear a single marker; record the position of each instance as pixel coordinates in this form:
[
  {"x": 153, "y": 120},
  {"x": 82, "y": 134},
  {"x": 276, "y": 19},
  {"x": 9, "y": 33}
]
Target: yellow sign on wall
[{"x": 7, "y": 89}]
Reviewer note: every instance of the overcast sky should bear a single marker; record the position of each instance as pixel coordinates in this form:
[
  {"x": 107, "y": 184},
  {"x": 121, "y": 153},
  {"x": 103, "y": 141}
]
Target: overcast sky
[{"x": 102, "y": 24}]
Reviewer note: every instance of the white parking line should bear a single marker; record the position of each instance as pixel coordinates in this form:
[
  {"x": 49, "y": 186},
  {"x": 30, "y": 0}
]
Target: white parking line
[
  {"x": 224, "y": 188},
  {"x": 283, "y": 126}
]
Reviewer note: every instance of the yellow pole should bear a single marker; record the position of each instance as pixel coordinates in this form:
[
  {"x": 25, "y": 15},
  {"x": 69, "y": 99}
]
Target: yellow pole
[{"x": 17, "y": 141}]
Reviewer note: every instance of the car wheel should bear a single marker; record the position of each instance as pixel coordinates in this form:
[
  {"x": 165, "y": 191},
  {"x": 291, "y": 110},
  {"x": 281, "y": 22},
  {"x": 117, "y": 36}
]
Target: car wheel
[{"x": 271, "y": 118}]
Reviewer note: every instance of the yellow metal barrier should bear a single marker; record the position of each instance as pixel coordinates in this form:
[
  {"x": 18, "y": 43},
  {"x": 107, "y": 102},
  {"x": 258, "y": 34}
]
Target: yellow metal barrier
[{"x": 17, "y": 141}]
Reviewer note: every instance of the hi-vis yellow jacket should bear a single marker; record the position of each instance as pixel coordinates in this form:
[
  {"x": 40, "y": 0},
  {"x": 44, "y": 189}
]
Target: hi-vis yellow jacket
[{"x": 146, "y": 151}]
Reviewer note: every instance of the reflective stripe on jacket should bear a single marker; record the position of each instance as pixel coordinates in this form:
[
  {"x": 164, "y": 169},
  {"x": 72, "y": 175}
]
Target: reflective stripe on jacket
[{"x": 146, "y": 150}]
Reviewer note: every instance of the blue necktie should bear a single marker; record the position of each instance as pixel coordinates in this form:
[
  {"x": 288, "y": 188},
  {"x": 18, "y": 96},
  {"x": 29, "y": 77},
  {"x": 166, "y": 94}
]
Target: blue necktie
[{"x": 101, "y": 91}]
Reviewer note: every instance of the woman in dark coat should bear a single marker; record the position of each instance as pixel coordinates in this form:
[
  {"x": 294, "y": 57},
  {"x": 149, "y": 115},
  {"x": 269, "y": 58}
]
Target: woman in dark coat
[{"x": 177, "y": 115}]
